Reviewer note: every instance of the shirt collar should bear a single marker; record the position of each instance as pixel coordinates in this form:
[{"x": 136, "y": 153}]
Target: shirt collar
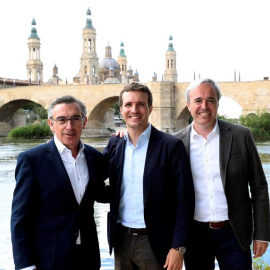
[
  {"x": 144, "y": 137},
  {"x": 61, "y": 148},
  {"x": 193, "y": 132}
]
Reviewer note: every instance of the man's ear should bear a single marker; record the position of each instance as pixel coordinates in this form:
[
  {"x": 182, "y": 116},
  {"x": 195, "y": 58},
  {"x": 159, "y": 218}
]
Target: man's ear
[
  {"x": 150, "y": 109},
  {"x": 50, "y": 123},
  {"x": 188, "y": 105},
  {"x": 84, "y": 122}
]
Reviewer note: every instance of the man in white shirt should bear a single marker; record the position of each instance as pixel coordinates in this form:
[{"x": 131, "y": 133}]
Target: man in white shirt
[
  {"x": 52, "y": 222},
  {"x": 152, "y": 190},
  {"x": 231, "y": 193}
]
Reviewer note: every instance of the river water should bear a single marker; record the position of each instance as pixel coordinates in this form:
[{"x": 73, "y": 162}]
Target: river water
[{"x": 9, "y": 150}]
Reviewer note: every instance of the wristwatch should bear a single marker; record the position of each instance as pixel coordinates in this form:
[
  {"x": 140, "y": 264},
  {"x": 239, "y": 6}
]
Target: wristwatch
[{"x": 181, "y": 250}]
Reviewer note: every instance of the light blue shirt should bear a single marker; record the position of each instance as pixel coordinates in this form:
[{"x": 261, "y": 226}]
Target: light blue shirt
[{"x": 131, "y": 208}]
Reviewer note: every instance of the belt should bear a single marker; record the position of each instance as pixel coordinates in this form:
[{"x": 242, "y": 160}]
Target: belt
[
  {"x": 133, "y": 231},
  {"x": 215, "y": 225}
]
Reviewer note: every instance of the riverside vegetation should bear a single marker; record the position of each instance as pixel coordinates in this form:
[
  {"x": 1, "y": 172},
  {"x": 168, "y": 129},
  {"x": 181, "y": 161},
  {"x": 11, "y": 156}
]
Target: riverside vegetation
[{"x": 259, "y": 124}]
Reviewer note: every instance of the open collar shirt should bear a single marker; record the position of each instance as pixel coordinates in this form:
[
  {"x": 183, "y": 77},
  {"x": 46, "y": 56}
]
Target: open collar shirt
[
  {"x": 210, "y": 200},
  {"x": 131, "y": 208}
]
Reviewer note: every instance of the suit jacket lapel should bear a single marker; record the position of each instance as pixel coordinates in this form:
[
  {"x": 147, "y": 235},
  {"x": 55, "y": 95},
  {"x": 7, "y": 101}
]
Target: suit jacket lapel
[
  {"x": 150, "y": 161},
  {"x": 91, "y": 173},
  {"x": 186, "y": 138},
  {"x": 58, "y": 164},
  {"x": 119, "y": 164},
  {"x": 225, "y": 143}
]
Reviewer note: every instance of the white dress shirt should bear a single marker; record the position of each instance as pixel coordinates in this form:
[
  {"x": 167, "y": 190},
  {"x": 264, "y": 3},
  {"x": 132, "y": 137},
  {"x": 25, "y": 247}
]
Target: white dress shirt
[
  {"x": 77, "y": 171},
  {"x": 131, "y": 208},
  {"x": 210, "y": 200}
]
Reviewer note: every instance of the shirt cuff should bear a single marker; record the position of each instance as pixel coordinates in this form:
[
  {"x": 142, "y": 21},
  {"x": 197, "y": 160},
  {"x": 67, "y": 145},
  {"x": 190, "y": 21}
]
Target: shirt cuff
[
  {"x": 29, "y": 267},
  {"x": 261, "y": 241}
]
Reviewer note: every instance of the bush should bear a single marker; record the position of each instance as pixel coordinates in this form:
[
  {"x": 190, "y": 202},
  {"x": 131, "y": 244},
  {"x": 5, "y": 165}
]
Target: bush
[
  {"x": 259, "y": 125},
  {"x": 31, "y": 131}
]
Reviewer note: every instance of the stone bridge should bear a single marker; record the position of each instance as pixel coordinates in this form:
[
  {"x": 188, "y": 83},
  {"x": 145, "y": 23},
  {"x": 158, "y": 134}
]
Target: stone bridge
[{"x": 170, "y": 112}]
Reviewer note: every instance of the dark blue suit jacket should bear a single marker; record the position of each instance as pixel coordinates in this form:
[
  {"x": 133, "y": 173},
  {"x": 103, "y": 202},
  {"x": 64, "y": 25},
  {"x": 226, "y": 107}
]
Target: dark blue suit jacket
[
  {"x": 167, "y": 191},
  {"x": 46, "y": 217}
]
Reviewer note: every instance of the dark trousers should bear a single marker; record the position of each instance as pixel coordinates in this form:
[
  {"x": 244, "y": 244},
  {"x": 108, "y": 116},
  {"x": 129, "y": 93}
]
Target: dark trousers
[
  {"x": 133, "y": 252},
  {"x": 207, "y": 244}
]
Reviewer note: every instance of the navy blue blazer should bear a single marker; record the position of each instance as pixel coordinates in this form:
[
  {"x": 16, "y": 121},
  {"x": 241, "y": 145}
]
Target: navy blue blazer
[
  {"x": 167, "y": 191},
  {"x": 46, "y": 217}
]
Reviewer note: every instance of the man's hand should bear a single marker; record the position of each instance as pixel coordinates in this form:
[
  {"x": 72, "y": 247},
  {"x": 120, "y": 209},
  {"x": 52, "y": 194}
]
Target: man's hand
[
  {"x": 259, "y": 248},
  {"x": 174, "y": 260},
  {"x": 119, "y": 133}
]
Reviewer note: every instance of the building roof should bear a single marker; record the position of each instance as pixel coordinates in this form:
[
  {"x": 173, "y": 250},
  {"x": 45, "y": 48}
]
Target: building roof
[{"x": 107, "y": 63}]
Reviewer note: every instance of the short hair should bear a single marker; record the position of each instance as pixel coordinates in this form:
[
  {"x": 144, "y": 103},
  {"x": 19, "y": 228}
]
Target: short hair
[
  {"x": 66, "y": 100},
  {"x": 136, "y": 87},
  {"x": 197, "y": 83}
]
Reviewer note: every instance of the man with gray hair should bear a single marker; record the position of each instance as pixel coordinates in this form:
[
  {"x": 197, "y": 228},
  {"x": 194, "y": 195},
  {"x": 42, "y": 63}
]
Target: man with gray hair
[
  {"x": 231, "y": 193},
  {"x": 52, "y": 222}
]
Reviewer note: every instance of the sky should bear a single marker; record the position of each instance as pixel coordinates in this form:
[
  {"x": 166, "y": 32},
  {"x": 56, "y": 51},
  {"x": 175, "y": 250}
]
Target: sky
[{"x": 212, "y": 38}]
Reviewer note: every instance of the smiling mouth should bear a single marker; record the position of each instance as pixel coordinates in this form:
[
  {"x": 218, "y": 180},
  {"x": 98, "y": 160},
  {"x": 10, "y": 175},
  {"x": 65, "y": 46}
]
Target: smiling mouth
[
  {"x": 135, "y": 117},
  {"x": 204, "y": 114}
]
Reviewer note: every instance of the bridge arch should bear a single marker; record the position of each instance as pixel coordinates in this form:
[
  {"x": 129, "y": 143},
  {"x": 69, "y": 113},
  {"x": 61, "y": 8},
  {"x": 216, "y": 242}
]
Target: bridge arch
[
  {"x": 10, "y": 117},
  {"x": 183, "y": 118},
  {"x": 229, "y": 108},
  {"x": 96, "y": 123}
]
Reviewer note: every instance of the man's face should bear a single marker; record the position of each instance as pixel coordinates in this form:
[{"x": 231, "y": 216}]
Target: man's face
[
  {"x": 135, "y": 110},
  {"x": 203, "y": 106},
  {"x": 68, "y": 134}
]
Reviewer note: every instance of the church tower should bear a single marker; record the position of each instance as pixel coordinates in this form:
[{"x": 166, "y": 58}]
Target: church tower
[
  {"x": 34, "y": 65},
  {"x": 89, "y": 61},
  {"x": 170, "y": 73},
  {"x": 122, "y": 61}
]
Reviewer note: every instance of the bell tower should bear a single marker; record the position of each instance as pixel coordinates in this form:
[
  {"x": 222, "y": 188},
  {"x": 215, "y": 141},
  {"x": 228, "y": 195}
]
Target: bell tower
[
  {"x": 34, "y": 64},
  {"x": 122, "y": 61},
  {"x": 170, "y": 73},
  {"x": 89, "y": 61}
]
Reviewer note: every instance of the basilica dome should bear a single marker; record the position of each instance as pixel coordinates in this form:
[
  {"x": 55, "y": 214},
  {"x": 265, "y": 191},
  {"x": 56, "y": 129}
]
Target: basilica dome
[{"x": 108, "y": 62}]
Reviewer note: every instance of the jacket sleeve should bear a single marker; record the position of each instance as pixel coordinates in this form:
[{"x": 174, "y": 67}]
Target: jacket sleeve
[
  {"x": 23, "y": 213},
  {"x": 183, "y": 182},
  {"x": 259, "y": 193}
]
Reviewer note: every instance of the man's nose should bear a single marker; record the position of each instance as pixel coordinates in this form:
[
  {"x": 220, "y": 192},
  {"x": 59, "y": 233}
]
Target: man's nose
[
  {"x": 134, "y": 108},
  {"x": 204, "y": 103},
  {"x": 69, "y": 125}
]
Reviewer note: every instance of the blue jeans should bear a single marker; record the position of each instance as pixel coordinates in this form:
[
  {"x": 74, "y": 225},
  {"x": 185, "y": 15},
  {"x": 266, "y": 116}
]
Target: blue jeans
[{"x": 207, "y": 244}]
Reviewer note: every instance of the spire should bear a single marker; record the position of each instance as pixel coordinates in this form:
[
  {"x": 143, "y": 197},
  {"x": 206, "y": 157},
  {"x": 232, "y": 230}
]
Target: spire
[
  {"x": 108, "y": 51},
  {"x": 34, "y": 30},
  {"x": 170, "y": 48},
  {"x": 88, "y": 19},
  {"x": 122, "y": 52}
]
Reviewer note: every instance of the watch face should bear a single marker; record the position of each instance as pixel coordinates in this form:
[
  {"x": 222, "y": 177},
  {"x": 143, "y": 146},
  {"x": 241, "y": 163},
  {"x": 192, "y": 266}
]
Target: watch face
[{"x": 182, "y": 250}]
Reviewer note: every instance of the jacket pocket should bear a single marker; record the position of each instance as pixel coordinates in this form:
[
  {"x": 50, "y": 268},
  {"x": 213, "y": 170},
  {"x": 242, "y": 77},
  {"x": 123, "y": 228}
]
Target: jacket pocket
[{"x": 237, "y": 165}]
